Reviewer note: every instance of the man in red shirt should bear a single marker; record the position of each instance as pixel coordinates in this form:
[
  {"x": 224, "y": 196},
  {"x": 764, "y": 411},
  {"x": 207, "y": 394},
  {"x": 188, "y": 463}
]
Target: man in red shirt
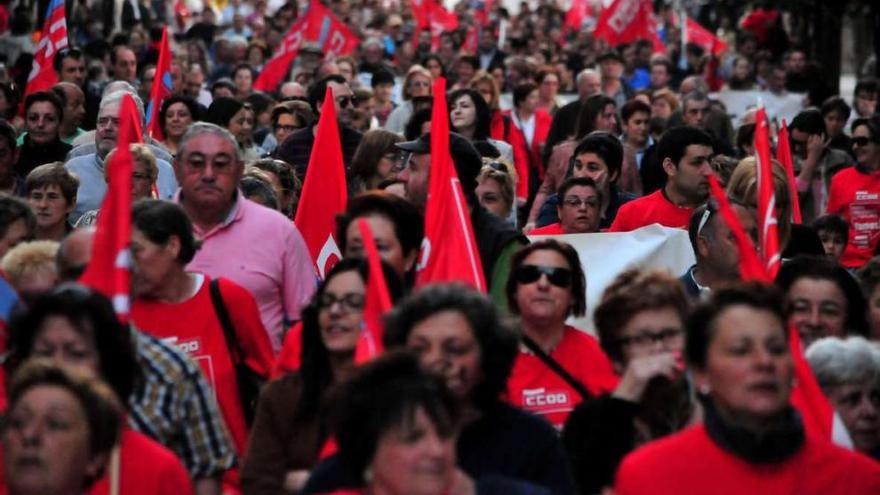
[
  {"x": 579, "y": 208},
  {"x": 684, "y": 153}
]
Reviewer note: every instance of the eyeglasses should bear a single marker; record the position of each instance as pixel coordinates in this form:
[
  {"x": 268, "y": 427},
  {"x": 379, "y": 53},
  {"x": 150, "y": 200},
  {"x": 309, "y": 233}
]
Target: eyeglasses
[
  {"x": 861, "y": 141},
  {"x": 529, "y": 274},
  {"x": 350, "y": 302},
  {"x": 285, "y": 127},
  {"x": 496, "y": 166},
  {"x": 576, "y": 202},
  {"x": 646, "y": 338},
  {"x": 344, "y": 101}
]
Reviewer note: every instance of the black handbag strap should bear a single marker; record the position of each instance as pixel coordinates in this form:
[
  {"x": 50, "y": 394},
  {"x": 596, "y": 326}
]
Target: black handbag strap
[
  {"x": 556, "y": 367},
  {"x": 223, "y": 315}
]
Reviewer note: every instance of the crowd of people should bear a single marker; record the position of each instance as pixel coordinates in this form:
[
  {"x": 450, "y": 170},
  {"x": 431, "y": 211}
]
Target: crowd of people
[{"x": 235, "y": 372}]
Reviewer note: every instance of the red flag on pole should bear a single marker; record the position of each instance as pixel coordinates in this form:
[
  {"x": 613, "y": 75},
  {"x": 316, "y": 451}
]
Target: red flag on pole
[
  {"x": 318, "y": 25},
  {"x": 52, "y": 39},
  {"x": 750, "y": 266},
  {"x": 626, "y": 21},
  {"x": 324, "y": 192},
  {"x": 816, "y": 411},
  {"x": 574, "y": 18},
  {"x": 108, "y": 270},
  {"x": 429, "y": 14},
  {"x": 783, "y": 156},
  {"x": 701, "y": 36},
  {"x": 768, "y": 229},
  {"x": 378, "y": 301},
  {"x": 162, "y": 87},
  {"x": 449, "y": 251}
]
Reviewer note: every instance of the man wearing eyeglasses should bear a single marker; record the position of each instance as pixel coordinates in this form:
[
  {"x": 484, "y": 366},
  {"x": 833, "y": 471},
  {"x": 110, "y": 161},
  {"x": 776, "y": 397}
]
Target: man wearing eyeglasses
[
  {"x": 579, "y": 208},
  {"x": 715, "y": 248},
  {"x": 297, "y": 147}
]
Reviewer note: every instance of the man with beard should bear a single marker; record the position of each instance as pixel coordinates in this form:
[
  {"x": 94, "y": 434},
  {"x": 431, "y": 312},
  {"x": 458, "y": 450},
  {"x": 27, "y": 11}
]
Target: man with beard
[
  {"x": 684, "y": 153},
  {"x": 640, "y": 323}
]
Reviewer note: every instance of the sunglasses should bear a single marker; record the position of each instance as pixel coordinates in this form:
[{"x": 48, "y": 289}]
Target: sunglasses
[
  {"x": 344, "y": 101},
  {"x": 529, "y": 274},
  {"x": 861, "y": 141}
]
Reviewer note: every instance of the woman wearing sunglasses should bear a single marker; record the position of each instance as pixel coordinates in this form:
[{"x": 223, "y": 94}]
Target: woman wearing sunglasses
[
  {"x": 289, "y": 432},
  {"x": 558, "y": 366}
]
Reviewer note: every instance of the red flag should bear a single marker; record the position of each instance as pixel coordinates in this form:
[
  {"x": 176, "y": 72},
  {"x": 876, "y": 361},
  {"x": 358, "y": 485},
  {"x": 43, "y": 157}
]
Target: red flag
[
  {"x": 471, "y": 39},
  {"x": 750, "y": 266},
  {"x": 783, "y": 156},
  {"x": 324, "y": 192},
  {"x": 449, "y": 251},
  {"x": 108, "y": 270},
  {"x": 378, "y": 301},
  {"x": 318, "y": 24},
  {"x": 816, "y": 411},
  {"x": 431, "y": 15},
  {"x": 626, "y": 21},
  {"x": 768, "y": 228},
  {"x": 52, "y": 39},
  {"x": 574, "y": 18},
  {"x": 698, "y": 35},
  {"x": 162, "y": 87}
]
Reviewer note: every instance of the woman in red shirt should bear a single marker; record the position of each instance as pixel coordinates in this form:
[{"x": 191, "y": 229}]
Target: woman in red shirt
[
  {"x": 546, "y": 286},
  {"x": 751, "y": 440}
]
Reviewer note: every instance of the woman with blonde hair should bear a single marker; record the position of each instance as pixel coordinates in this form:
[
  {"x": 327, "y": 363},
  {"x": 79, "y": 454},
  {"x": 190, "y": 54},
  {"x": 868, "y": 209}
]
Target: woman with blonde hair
[{"x": 417, "y": 82}]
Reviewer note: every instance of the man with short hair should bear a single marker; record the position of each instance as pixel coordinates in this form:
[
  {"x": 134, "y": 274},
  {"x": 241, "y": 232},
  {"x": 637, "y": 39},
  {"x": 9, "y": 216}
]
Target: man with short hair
[
  {"x": 271, "y": 257},
  {"x": 661, "y": 73},
  {"x": 496, "y": 240},
  {"x": 51, "y": 193},
  {"x": 43, "y": 113},
  {"x": 579, "y": 208},
  {"x": 74, "y": 110},
  {"x": 174, "y": 404},
  {"x": 194, "y": 85},
  {"x": 90, "y": 167},
  {"x": 836, "y": 113},
  {"x": 684, "y": 154},
  {"x": 297, "y": 148},
  {"x": 715, "y": 248},
  {"x": 70, "y": 65},
  {"x": 864, "y": 99},
  {"x": 589, "y": 83},
  {"x": 611, "y": 68},
  {"x": 124, "y": 64},
  {"x": 697, "y": 111}
]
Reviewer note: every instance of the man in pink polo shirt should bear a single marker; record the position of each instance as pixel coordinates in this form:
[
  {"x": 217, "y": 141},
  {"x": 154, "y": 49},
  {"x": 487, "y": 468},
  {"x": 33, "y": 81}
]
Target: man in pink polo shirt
[
  {"x": 254, "y": 246},
  {"x": 684, "y": 152}
]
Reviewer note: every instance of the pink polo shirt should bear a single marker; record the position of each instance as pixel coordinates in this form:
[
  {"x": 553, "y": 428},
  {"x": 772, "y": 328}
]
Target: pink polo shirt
[{"x": 262, "y": 251}]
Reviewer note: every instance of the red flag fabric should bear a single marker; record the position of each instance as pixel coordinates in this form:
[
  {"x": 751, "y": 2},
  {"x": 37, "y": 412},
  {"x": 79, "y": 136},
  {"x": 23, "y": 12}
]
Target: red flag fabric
[
  {"x": 471, "y": 39},
  {"x": 783, "y": 156},
  {"x": 108, "y": 270},
  {"x": 699, "y": 35},
  {"x": 429, "y": 14},
  {"x": 318, "y": 24},
  {"x": 626, "y": 21},
  {"x": 378, "y": 301},
  {"x": 162, "y": 87},
  {"x": 816, "y": 411},
  {"x": 52, "y": 39},
  {"x": 324, "y": 192},
  {"x": 768, "y": 228},
  {"x": 577, "y": 12},
  {"x": 750, "y": 266},
  {"x": 449, "y": 251}
]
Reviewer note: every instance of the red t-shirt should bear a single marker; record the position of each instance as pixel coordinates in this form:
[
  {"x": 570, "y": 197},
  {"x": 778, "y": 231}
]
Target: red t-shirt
[
  {"x": 193, "y": 327},
  {"x": 855, "y": 196},
  {"x": 653, "y": 208},
  {"x": 691, "y": 462},
  {"x": 288, "y": 360},
  {"x": 538, "y": 389},
  {"x": 552, "y": 229},
  {"x": 146, "y": 468}
]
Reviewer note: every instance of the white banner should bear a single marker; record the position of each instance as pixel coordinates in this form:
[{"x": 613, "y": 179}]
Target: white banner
[
  {"x": 607, "y": 254},
  {"x": 778, "y": 107}
]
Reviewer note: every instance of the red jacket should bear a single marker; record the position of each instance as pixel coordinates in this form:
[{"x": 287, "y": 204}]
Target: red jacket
[{"x": 522, "y": 153}]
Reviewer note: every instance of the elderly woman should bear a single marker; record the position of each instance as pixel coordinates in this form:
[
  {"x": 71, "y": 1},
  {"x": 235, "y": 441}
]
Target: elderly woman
[
  {"x": 143, "y": 179},
  {"x": 175, "y": 116},
  {"x": 823, "y": 299},
  {"x": 751, "y": 439},
  {"x": 416, "y": 83},
  {"x": 640, "y": 322},
  {"x": 558, "y": 366},
  {"x": 848, "y": 370},
  {"x": 375, "y": 159},
  {"x": 51, "y": 193},
  {"x": 457, "y": 334},
  {"x": 289, "y": 430},
  {"x": 59, "y": 430},
  {"x": 495, "y": 188},
  {"x": 76, "y": 326},
  {"x": 216, "y": 321},
  {"x": 239, "y": 119}
]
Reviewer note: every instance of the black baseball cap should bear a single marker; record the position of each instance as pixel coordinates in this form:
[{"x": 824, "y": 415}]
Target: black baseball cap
[{"x": 465, "y": 156}]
